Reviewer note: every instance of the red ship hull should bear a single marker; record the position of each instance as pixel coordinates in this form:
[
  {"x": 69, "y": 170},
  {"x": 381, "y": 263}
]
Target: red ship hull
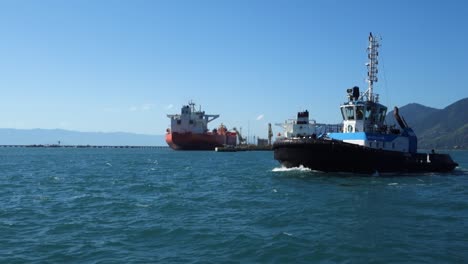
[{"x": 208, "y": 141}]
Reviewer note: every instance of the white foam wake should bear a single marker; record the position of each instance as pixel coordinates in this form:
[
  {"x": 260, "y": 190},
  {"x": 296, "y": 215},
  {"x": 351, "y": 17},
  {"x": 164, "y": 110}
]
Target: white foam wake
[{"x": 300, "y": 168}]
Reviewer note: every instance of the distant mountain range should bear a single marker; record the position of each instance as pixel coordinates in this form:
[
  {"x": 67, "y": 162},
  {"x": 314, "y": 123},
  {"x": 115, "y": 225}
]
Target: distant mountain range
[
  {"x": 66, "y": 137},
  {"x": 437, "y": 128}
]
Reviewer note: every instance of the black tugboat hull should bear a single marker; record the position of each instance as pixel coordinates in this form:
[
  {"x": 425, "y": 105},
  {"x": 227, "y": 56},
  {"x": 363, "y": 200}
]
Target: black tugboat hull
[{"x": 337, "y": 156}]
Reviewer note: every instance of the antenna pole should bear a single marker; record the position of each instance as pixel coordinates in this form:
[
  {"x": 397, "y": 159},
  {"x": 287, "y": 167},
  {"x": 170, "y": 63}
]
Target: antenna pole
[{"x": 372, "y": 70}]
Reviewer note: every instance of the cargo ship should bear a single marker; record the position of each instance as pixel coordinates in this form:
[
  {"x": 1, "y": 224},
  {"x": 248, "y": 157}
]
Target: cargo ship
[
  {"x": 189, "y": 131},
  {"x": 364, "y": 143}
]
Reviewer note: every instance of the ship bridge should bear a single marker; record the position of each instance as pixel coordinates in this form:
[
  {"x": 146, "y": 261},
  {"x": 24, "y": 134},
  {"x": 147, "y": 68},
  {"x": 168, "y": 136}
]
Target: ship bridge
[
  {"x": 362, "y": 116},
  {"x": 191, "y": 120}
]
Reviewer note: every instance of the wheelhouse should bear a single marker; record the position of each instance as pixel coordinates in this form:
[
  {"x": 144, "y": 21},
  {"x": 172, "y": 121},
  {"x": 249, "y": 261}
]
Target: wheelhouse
[{"x": 362, "y": 116}]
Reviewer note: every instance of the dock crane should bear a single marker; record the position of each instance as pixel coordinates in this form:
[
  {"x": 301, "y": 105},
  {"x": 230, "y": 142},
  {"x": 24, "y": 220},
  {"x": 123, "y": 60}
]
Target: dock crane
[
  {"x": 241, "y": 139},
  {"x": 270, "y": 134}
]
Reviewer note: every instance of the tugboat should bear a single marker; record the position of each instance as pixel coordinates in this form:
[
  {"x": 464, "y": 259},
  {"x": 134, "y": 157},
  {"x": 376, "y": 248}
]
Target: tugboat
[
  {"x": 189, "y": 131},
  {"x": 364, "y": 144}
]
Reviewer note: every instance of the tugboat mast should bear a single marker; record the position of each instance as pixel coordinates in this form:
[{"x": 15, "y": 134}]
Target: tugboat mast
[{"x": 372, "y": 70}]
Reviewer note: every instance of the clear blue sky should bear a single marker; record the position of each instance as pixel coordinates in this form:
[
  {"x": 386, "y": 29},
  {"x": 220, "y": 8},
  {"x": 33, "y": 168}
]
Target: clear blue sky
[{"x": 123, "y": 65}]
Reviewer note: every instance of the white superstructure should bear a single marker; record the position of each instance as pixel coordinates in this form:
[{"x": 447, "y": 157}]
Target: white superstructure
[
  {"x": 191, "y": 120},
  {"x": 300, "y": 127}
]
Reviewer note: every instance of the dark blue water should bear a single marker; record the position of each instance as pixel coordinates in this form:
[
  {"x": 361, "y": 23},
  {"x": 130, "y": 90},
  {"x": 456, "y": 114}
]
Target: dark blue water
[{"x": 145, "y": 205}]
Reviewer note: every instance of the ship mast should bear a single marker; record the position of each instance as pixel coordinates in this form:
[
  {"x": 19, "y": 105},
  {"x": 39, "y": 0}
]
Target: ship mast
[{"x": 372, "y": 70}]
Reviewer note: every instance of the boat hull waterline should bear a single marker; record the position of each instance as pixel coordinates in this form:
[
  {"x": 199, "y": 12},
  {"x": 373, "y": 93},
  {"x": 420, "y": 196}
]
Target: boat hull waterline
[
  {"x": 190, "y": 141},
  {"x": 336, "y": 156}
]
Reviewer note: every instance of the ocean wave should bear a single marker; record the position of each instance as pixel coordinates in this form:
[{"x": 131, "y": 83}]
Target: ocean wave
[{"x": 212, "y": 208}]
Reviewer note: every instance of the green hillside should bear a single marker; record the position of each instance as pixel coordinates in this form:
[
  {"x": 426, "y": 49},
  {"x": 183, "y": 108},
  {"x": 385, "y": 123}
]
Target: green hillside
[{"x": 437, "y": 128}]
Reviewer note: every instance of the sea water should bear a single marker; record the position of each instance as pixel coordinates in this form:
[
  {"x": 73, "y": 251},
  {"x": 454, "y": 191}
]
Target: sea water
[{"x": 62, "y": 205}]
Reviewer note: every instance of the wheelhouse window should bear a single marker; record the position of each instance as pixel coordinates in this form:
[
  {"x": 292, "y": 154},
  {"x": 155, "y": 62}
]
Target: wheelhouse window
[
  {"x": 382, "y": 114},
  {"x": 368, "y": 113},
  {"x": 348, "y": 112},
  {"x": 359, "y": 112}
]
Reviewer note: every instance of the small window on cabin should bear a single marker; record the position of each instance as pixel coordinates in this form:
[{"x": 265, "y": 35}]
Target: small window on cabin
[
  {"x": 359, "y": 112},
  {"x": 178, "y": 122},
  {"x": 393, "y": 145},
  {"x": 349, "y": 113},
  {"x": 191, "y": 122},
  {"x": 368, "y": 112},
  {"x": 374, "y": 115},
  {"x": 383, "y": 112}
]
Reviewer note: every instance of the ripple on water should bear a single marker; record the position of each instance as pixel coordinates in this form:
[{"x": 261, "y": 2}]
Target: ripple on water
[{"x": 146, "y": 205}]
